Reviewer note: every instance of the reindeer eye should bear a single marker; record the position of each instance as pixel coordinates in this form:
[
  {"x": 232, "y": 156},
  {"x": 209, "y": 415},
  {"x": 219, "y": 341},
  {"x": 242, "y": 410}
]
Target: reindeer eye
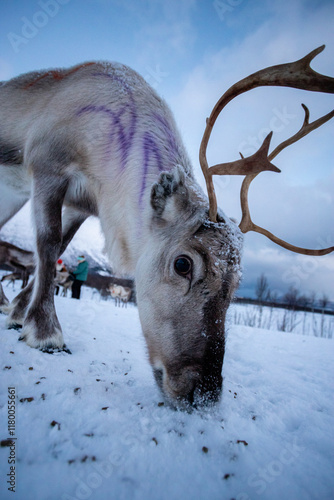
[{"x": 183, "y": 266}]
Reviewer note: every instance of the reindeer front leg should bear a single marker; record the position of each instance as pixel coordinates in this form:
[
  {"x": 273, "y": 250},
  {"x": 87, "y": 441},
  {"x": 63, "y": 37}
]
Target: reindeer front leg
[
  {"x": 3, "y": 300},
  {"x": 41, "y": 328},
  {"x": 71, "y": 220}
]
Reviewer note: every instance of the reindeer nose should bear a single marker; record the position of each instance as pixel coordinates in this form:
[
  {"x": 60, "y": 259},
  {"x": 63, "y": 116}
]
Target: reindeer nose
[
  {"x": 209, "y": 389},
  {"x": 197, "y": 398},
  {"x": 201, "y": 398},
  {"x": 203, "y": 393},
  {"x": 187, "y": 389}
]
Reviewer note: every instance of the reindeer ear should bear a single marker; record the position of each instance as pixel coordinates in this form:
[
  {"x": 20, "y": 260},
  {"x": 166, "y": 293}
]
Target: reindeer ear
[{"x": 165, "y": 194}]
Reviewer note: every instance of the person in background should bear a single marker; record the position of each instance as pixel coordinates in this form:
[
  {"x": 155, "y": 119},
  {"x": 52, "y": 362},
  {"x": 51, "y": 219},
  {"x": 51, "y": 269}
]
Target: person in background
[
  {"x": 61, "y": 274},
  {"x": 80, "y": 276}
]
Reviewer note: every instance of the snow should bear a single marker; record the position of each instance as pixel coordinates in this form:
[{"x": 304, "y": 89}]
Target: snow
[{"x": 96, "y": 427}]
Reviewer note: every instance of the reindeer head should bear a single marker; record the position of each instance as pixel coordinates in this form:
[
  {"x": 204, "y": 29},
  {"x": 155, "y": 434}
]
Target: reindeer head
[{"x": 191, "y": 266}]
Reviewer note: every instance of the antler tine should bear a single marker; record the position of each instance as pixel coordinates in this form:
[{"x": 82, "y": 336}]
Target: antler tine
[
  {"x": 305, "y": 129},
  {"x": 246, "y": 223},
  {"x": 258, "y": 162},
  {"x": 297, "y": 74}
]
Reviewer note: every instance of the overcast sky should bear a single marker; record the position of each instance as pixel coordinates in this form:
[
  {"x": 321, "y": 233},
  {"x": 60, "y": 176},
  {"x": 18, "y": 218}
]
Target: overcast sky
[{"x": 191, "y": 51}]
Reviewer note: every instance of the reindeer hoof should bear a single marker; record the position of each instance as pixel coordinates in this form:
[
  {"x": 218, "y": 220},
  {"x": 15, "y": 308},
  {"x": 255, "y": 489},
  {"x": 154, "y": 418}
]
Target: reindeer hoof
[
  {"x": 4, "y": 305},
  {"x": 15, "y": 326},
  {"x": 53, "y": 350}
]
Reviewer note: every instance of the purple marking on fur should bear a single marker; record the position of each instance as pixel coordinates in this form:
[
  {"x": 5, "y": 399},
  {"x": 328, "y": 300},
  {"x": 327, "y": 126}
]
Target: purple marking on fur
[
  {"x": 164, "y": 146},
  {"x": 117, "y": 78},
  {"x": 117, "y": 130},
  {"x": 123, "y": 134},
  {"x": 161, "y": 147},
  {"x": 125, "y": 140},
  {"x": 150, "y": 149},
  {"x": 174, "y": 152}
]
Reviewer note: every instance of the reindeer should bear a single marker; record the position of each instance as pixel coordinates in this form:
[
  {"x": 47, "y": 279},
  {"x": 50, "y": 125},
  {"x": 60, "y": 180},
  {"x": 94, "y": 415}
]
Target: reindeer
[
  {"x": 17, "y": 258},
  {"x": 67, "y": 287},
  {"x": 11, "y": 278},
  {"x": 62, "y": 280},
  {"x": 96, "y": 139},
  {"x": 120, "y": 294}
]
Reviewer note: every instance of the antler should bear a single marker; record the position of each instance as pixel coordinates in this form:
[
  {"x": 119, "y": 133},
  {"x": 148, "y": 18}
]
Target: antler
[{"x": 297, "y": 74}]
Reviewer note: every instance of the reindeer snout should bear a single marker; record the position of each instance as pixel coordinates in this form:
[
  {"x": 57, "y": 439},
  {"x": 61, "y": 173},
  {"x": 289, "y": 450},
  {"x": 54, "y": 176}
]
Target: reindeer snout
[
  {"x": 207, "y": 392},
  {"x": 188, "y": 388}
]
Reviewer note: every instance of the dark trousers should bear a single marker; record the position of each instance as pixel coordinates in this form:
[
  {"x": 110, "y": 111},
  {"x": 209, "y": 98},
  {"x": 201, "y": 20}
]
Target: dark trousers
[{"x": 76, "y": 289}]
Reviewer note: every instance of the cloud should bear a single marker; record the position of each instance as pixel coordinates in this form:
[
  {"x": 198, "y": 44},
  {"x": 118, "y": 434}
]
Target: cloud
[
  {"x": 307, "y": 274},
  {"x": 164, "y": 32}
]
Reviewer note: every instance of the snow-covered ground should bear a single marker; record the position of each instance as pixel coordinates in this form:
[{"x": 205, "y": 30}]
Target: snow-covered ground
[{"x": 92, "y": 424}]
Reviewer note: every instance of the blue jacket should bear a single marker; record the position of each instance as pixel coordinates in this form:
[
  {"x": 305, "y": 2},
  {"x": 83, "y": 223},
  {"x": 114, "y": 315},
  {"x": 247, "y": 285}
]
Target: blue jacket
[{"x": 81, "y": 271}]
